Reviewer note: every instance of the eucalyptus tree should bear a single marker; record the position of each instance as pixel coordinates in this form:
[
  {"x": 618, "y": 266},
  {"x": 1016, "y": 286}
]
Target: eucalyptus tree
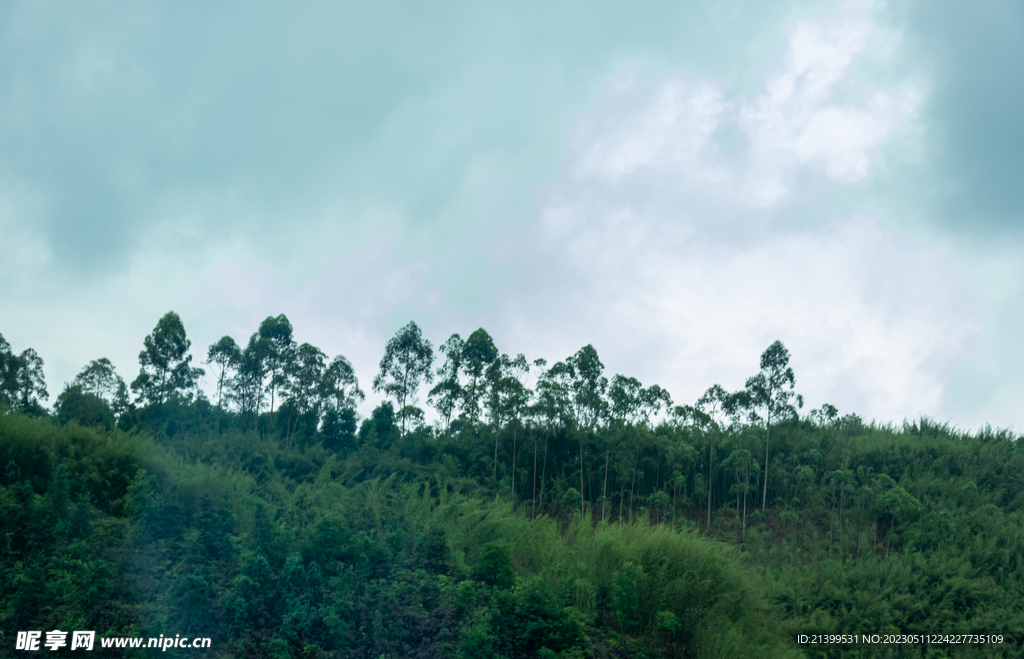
[
  {"x": 552, "y": 407},
  {"x": 99, "y": 378},
  {"x": 539, "y": 364},
  {"x": 478, "y": 354},
  {"x": 588, "y": 387},
  {"x": 407, "y": 361},
  {"x": 771, "y": 392},
  {"x": 825, "y": 416},
  {"x": 652, "y": 400},
  {"x": 625, "y": 399},
  {"x": 277, "y": 332},
  {"x": 712, "y": 407},
  {"x": 340, "y": 386},
  {"x": 29, "y": 382},
  {"x": 447, "y": 393},
  {"x": 226, "y": 356},
  {"x": 22, "y": 383},
  {"x": 743, "y": 465},
  {"x": 339, "y": 395},
  {"x": 165, "y": 362},
  {"x": 7, "y": 371},
  {"x": 625, "y": 394},
  {"x": 246, "y": 387},
  {"x": 302, "y": 384},
  {"x": 508, "y": 399}
]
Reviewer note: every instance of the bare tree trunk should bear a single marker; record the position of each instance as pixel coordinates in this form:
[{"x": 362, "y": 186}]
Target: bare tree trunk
[
  {"x": 515, "y": 430},
  {"x": 711, "y": 457},
  {"x": 533, "y": 497},
  {"x": 746, "y": 488},
  {"x": 582, "y": 509},
  {"x": 604, "y": 490},
  {"x": 544, "y": 473},
  {"x": 632, "y": 487},
  {"x": 767, "y": 437}
]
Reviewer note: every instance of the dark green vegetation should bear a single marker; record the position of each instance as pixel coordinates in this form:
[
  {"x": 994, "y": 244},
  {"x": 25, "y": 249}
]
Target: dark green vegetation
[{"x": 549, "y": 512}]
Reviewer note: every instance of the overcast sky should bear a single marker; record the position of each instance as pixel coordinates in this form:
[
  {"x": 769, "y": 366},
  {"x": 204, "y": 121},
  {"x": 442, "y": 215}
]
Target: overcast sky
[{"x": 678, "y": 184}]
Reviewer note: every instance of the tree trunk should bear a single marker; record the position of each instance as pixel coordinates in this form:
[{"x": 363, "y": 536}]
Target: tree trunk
[
  {"x": 604, "y": 490},
  {"x": 582, "y": 509},
  {"x": 515, "y": 430},
  {"x": 767, "y": 437},
  {"x": 544, "y": 473},
  {"x": 711, "y": 457},
  {"x": 533, "y": 497},
  {"x": 746, "y": 488},
  {"x": 632, "y": 487}
]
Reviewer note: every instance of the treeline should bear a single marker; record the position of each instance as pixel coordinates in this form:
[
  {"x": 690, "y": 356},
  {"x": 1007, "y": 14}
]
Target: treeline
[
  {"x": 576, "y": 435},
  {"x": 550, "y": 511}
]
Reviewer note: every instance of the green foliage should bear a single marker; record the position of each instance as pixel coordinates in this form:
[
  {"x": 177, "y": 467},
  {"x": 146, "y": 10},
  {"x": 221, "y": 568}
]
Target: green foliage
[{"x": 571, "y": 524}]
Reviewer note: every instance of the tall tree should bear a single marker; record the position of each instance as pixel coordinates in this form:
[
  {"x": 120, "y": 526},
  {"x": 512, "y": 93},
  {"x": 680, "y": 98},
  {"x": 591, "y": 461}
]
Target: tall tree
[
  {"x": 588, "y": 389},
  {"x": 340, "y": 386},
  {"x": 553, "y": 408},
  {"x": 508, "y": 399},
  {"x": 588, "y": 386},
  {"x": 712, "y": 406},
  {"x": 407, "y": 361},
  {"x": 246, "y": 388},
  {"x": 29, "y": 382},
  {"x": 478, "y": 354},
  {"x": 277, "y": 332},
  {"x": 165, "y": 362},
  {"x": 624, "y": 394},
  {"x": 771, "y": 391},
  {"x": 303, "y": 382},
  {"x": 100, "y": 379},
  {"x": 8, "y": 368},
  {"x": 446, "y": 394},
  {"x": 226, "y": 356},
  {"x": 743, "y": 466}
]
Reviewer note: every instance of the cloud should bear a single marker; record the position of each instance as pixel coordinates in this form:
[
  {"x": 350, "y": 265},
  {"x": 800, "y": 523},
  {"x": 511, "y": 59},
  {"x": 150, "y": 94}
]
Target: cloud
[{"x": 676, "y": 240}]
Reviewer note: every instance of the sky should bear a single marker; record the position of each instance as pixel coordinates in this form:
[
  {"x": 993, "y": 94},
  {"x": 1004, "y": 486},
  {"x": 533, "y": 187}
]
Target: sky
[{"x": 677, "y": 184}]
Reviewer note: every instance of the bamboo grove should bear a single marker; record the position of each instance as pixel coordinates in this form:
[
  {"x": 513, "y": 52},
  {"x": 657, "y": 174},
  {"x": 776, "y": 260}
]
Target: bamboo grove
[{"x": 547, "y": 510}]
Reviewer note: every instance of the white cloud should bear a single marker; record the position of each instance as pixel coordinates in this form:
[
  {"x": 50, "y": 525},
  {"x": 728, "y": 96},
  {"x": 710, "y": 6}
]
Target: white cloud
[{"x": 683, "y": 263}]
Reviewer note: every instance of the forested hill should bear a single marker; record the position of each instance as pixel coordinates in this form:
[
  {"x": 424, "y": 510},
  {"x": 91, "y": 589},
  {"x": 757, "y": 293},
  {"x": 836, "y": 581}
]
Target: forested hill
[{"x": 551, "y": 511}]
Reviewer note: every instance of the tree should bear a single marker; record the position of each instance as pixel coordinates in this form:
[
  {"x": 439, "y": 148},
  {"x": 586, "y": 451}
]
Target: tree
[
  {"x": 165, "y": 362},
  {"x": 302, "y": 383},
  {"x": 339, "y": 395},
  {"x": 771, "y": 390},
  {"x": 712, "y": 405},
  {"x": 29, "y": 382},
  {"x": 101, "y": 380},
  {"x": 625, "y": 397},
  {"x": 508, "y": 399},
  {"x": 340, "y": 386},
  {"x": 226, "y": 356},
  {"x": 552, "y": 407},
  {"x": 98, "y": 378},
  {"x": 8, "y": 371},
  {"x": 478, "y": 354},
  {"x": 447, "y": 393},
  {"x": 277, "y": 332},
  {"x": 407, "y": 361},
  {"x": 85, "y": 407},
  {"x": 652, "y": 400},
  {"x": 743, "y": 465},
  {"x": 246, "y": 387},
  {"x": 588, "y": 386},
  {"x": 588, "y": 389}
]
